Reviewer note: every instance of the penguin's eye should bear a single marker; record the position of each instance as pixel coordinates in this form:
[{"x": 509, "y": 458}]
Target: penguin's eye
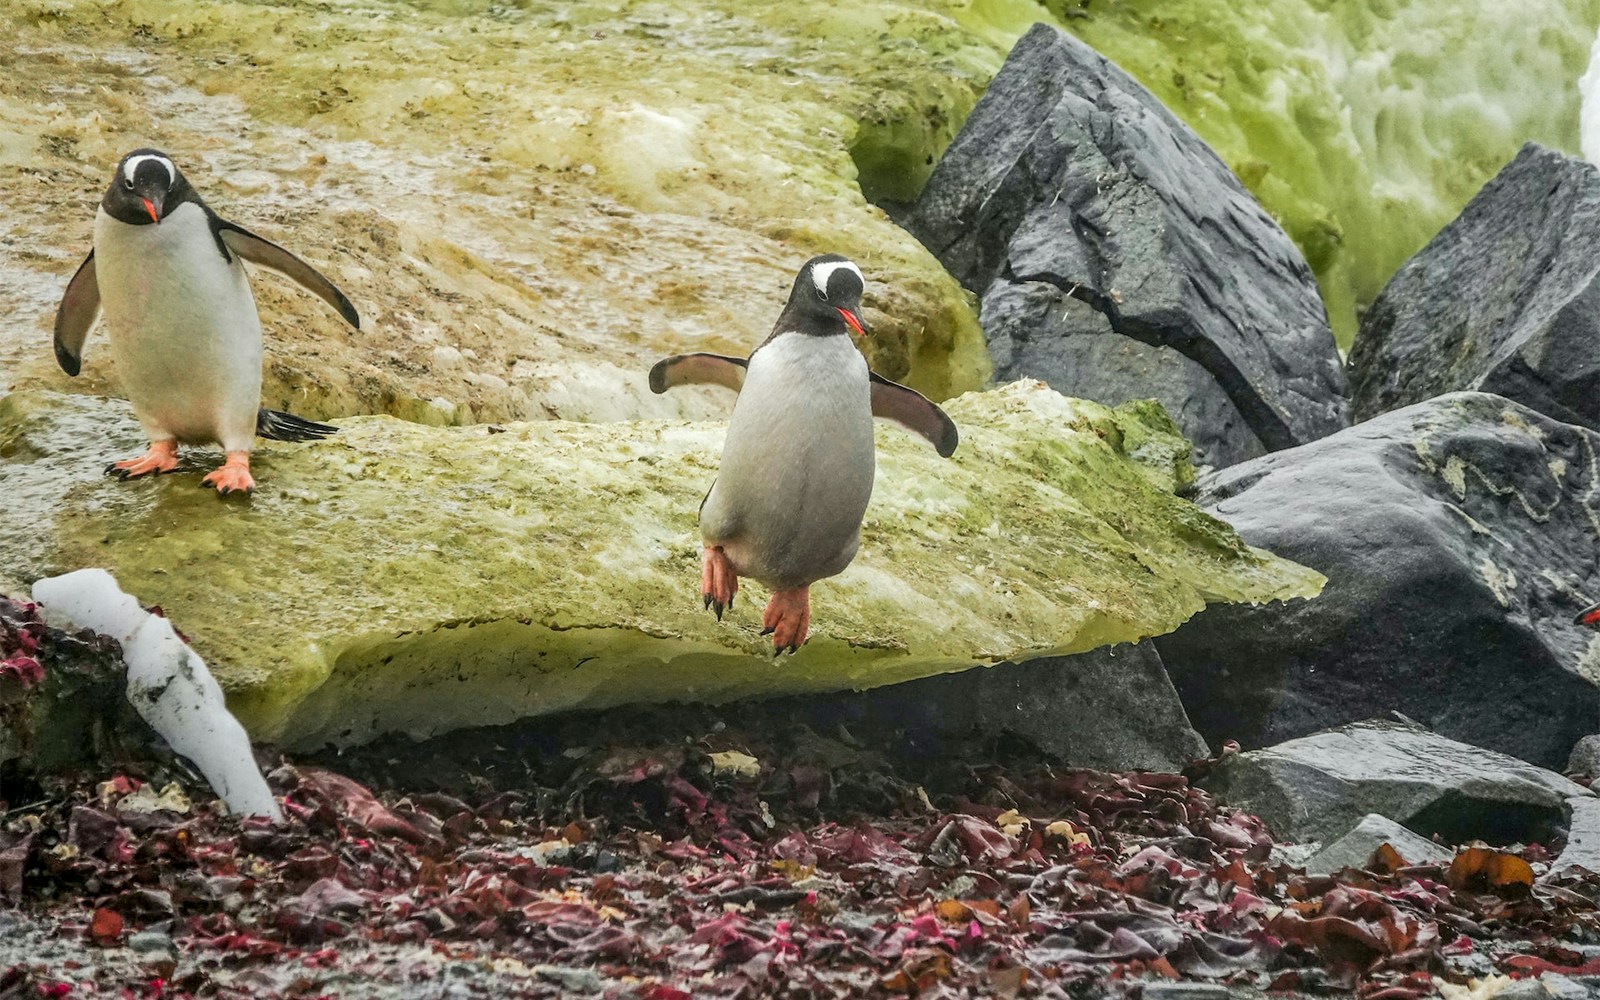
[{"x": 128, "y": 184}]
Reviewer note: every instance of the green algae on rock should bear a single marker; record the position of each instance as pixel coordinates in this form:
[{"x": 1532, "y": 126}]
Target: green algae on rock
[
  {"x": 527, "y": 202},
  {"x": 399, "y": 577}
]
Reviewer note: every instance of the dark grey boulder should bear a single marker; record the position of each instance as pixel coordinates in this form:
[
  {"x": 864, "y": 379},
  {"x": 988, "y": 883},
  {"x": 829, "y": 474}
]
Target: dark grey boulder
[
  {"x": 1036, "y": 330},
  {"x": 1459, "y": 537},
  {"x": 1319, "y": 786},
  {"x": 1071, "y": 175},
  {"x": 1503, "y": 300},
  {"x": 1355, "y": 847},
  {"x": 1111, "y": 709}
]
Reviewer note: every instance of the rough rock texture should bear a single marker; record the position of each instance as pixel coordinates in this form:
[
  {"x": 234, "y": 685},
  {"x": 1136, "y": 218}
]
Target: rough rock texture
[
  {"x": 1583, "y": 836},
  {"x": 1036, "y": 329},
  {"x": 1585, "y": 757},
  {"x": 1459, "y": 537},
  {"x": 1354, "y": 848},
  {"x": 1070, "y": 174},
  {"x": 465, "y": 576},
  {"x": 1505, "y": 300},
  {"x": 1319, "y": 786},
  {"x": 63, "y": 702},
  {"x": 1111, "y": 709}
]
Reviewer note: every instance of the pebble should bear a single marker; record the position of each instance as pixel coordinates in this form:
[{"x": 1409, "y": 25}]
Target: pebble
[{"x": 151, "y": 942}]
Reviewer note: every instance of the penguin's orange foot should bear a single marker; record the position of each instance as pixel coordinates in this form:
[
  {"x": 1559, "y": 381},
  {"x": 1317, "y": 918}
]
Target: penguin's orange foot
[
  {"x": 787, "y": 619},
  {"x": 718, "y": 581},
  {"x": 233, "y": 476},
  {"x": 162, "y": 457}
]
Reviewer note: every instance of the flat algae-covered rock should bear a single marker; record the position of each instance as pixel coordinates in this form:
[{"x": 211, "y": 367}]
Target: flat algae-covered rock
[
  {"x": 403, "y": 577},
  {"x": 527, "y": 202}
]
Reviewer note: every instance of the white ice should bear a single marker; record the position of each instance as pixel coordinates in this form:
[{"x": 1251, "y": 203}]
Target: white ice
[
  {"x": 1589, "y": 108},
  {"x": 168, "y": 684}
]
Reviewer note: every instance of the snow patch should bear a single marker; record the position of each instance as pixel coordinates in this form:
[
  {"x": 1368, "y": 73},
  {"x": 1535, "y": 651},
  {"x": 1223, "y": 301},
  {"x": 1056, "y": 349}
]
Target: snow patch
[
  {"x": 168, "y": 684},
  {"x": 1589, "y": 107}
]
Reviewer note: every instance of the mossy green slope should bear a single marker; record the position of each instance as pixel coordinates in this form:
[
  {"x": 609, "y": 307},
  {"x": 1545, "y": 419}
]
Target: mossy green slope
[{"x": 401, "y": 577}]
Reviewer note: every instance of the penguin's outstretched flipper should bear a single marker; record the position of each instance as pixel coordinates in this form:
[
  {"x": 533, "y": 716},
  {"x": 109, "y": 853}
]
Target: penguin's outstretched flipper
[
  {"x": 915, "y": 412},
  {"x": 268, "y": 254},
  {"x": 698, "y": 369},
  {"x": 80, "y": 307},
  {"x": 275, "y": 425}
]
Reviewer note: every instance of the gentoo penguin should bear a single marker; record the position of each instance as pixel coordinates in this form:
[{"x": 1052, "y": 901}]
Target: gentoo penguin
[
  {"x": 798, "y": 460},
  {"x": 185, "y": 335}
]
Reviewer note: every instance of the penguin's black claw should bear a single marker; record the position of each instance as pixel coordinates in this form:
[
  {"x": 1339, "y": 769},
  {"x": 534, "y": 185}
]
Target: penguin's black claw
[
  {"x": 718, "y": 607},
  {"x": 768, "y": 630},
  {"x": 707, "y": 604}
]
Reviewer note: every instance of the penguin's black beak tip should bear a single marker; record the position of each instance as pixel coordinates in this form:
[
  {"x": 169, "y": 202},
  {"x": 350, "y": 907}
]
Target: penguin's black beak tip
[{"x": 853, "y": 322}]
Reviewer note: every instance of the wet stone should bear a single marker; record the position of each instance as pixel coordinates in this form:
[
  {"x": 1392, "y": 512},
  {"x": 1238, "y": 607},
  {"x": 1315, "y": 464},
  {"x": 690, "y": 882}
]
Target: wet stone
[
  {"x": 1355, "y": 848},
  {"x": 1321, "y": 785}
]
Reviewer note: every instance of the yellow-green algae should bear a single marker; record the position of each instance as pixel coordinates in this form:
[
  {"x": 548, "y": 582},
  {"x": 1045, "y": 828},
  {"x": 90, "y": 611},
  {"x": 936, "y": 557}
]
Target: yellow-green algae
[
  {"x": 527, "y": 202},
  {"x": 401, "y": 577}
]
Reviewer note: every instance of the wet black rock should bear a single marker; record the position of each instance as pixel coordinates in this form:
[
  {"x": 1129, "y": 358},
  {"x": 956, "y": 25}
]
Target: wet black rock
[
  {"x": 63, "y": 698},
  {"x": 1111, "y": 709},
  {"x": 1459, "y": 537},
  {"x": 1319, "y": 786},
  {"x": 1070, "y": 178},
  {"x": 1503, "y": 300}
]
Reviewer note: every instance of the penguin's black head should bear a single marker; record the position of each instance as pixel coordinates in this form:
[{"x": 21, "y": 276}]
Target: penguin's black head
[
  {"x": 827, "y": 296},
  {"x": 146, "y": 186}
]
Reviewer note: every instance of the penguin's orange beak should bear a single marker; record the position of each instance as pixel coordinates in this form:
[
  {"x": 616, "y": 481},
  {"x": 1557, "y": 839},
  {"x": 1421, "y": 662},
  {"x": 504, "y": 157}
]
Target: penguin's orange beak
[
  {"x": 149, "y": 206},
  {"x": 853, "y": 322},
  {"x": 1589, "y": 616}
]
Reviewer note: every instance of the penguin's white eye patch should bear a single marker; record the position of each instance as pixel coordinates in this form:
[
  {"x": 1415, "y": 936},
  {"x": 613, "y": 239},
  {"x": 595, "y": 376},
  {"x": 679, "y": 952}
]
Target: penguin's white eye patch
[
  {"x": 822, "y": 272},
  {"x": 130, "y": 168}
]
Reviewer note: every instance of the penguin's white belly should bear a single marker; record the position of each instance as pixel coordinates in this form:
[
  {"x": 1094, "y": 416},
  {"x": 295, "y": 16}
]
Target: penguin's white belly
[
  {"x": 183, "y": 326},
  {"x": 798, "y": 463}
]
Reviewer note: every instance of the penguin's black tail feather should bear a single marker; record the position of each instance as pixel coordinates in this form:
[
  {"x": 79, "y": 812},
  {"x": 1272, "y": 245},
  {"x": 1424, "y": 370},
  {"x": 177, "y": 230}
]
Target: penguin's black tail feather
[{"x": 276, "y": 425}]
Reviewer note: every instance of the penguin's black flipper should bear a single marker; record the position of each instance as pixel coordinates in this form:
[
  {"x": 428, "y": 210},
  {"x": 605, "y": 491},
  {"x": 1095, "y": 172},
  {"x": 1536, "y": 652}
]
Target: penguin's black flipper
[
  {"x": 268, "y": 254},
  {"x": 275, "y": 425},
  {"x": 698, "y": 369},
  {"x": 915, "y": 412},
  {"x": 80, "y": 307}
]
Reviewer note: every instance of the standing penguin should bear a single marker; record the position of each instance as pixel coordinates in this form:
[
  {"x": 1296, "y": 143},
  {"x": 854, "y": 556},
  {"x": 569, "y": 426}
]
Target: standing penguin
[
  {"x": 798, "y": 461},
  {"x": 184, "y": 330}
]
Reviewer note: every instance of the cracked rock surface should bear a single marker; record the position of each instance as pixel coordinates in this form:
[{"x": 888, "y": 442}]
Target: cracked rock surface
[
  {"x": 1503, "y": 300},
  {"x": 1459, "y": 537},
  {"x": 1070, "y": 176}
]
